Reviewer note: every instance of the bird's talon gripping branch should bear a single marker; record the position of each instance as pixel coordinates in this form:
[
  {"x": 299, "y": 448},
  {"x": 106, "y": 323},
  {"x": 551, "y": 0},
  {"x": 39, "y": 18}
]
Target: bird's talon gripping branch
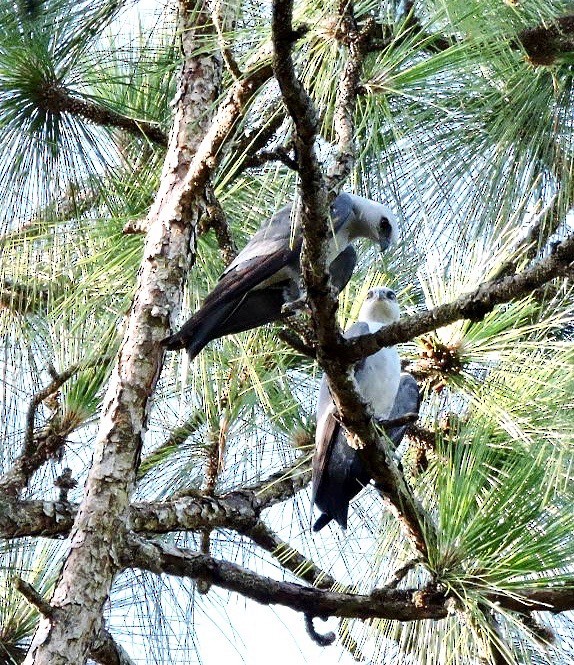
[
  {"x": 405, "y": 419},
  {"x": 298, "y": 306}
]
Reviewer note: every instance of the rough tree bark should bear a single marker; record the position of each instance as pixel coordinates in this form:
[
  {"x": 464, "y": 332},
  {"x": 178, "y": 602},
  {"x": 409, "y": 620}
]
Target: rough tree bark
[{"x": 100, "y": 524}]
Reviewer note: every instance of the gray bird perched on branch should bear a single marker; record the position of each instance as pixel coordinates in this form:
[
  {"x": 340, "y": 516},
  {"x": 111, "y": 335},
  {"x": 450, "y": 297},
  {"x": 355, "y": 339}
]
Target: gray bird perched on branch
[
  {"x": 266, "y": 275},
  {"x": 338, "y": 473}
]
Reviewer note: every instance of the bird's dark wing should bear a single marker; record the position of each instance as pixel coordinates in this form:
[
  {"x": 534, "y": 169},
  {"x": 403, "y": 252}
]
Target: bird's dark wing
[
  {"x": 342, "y": 267},
  {"x": 227, "y": 295},
  {"x": 408, "y": 400},
  {"x": 281, "y": 231},
  {"x": 265, "y": 305},
  {"x": 338, "y": 473},
  {"x": 232, "y": 306},
  {"x": 341, "y": 211}
]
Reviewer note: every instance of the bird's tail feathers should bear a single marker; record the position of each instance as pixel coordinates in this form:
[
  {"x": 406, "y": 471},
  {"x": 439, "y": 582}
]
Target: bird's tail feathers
[
  {"x": 322, "y": 521},
  {"x": 199, "y": 330}
]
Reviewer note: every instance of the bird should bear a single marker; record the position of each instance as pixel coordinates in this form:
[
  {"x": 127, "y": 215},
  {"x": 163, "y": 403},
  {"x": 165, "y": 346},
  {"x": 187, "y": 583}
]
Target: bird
[
  {"x": 338, "y": 473},
  {"x": 265, "y": 277}
]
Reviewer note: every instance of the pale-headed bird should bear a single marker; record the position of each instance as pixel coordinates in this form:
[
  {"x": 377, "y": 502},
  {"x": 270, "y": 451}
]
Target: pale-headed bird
[
  {"x": 338, "y": 473},
  {"x": 266, "y": 275}
]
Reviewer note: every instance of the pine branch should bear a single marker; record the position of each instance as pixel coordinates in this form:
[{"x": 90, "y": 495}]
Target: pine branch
[
  {"x": 208, "y": 152},
  {"x": 279, "y": 154},
  {"x": 93, "y": 561},
  {"x": 37, "y": 450},
  {"x": 216, "y": 219},
  {"x": 289, "y": 557},
  {"x": 383, "y": 603},
  {"x": 314, "y": 200},
  {"x": 251, "y": 142},
  {"x": 292, "y": 339},
  {"x": 320, "y": 296},
  {"x": 400, "y": 605},
  {"x": 54, "y": 97},
  {"x": 358, "y": 42},
  {"x": 239, "y": 510},
  {"x": 473, "y": 306}
]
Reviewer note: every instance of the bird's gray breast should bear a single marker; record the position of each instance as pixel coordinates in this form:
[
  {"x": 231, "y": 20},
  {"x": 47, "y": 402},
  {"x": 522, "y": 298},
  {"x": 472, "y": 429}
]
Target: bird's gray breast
[
  {"x": 377, "y": 376},
  {"x": 378, "y": 380}
]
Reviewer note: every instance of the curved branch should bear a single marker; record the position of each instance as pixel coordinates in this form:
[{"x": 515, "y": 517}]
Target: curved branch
[
  {"x": 383, "y": 603},
  {"x": 473, "y": 306},
  {"x": 401, "y": 605},
  {"x": 358, "y": 42},
  {"x": 289, "y": 557},
  {"x": 321, "y": 298},
  {"x": 36, "y": 453}
]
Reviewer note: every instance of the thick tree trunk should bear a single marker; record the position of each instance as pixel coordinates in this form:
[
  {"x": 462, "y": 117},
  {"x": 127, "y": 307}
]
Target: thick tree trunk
[{"x": 101, "y": 521}]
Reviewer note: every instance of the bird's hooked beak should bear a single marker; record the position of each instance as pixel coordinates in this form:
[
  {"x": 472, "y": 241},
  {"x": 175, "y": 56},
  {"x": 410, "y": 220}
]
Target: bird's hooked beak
[{"x": 385, "y": 234}]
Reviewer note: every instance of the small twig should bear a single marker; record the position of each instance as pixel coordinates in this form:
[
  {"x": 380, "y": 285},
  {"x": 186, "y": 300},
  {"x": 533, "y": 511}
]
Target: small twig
[
  {"x": 33, "y": 597},
  {"x": 279, "y": 154},
  {"x": 424, "y": 435},
  {"x": 35, "y": 453},
  {"x": 216, "y": 219},
  {"x": 57, "y": 382},
  {"x": 400, "y": 574},
  {"x": 56, "y": 98},
  {"x": 218, "y": 18},
  {"x": 254, "y": 140},
  {"x": 295, "y": 342},
  {"x": 281, "y": 485},
  {"x": 203, "y": 586},
  {"x": 45, "y": 445}
]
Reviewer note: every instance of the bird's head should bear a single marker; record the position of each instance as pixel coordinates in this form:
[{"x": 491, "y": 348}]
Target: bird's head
[
  {"x": 374, "y": 221},
  {"x": 380, "y": 306}
]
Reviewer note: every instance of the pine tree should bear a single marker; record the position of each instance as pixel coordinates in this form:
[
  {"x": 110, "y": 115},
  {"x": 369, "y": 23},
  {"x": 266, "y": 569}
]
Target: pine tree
[{"x": 139, "y": 148}]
